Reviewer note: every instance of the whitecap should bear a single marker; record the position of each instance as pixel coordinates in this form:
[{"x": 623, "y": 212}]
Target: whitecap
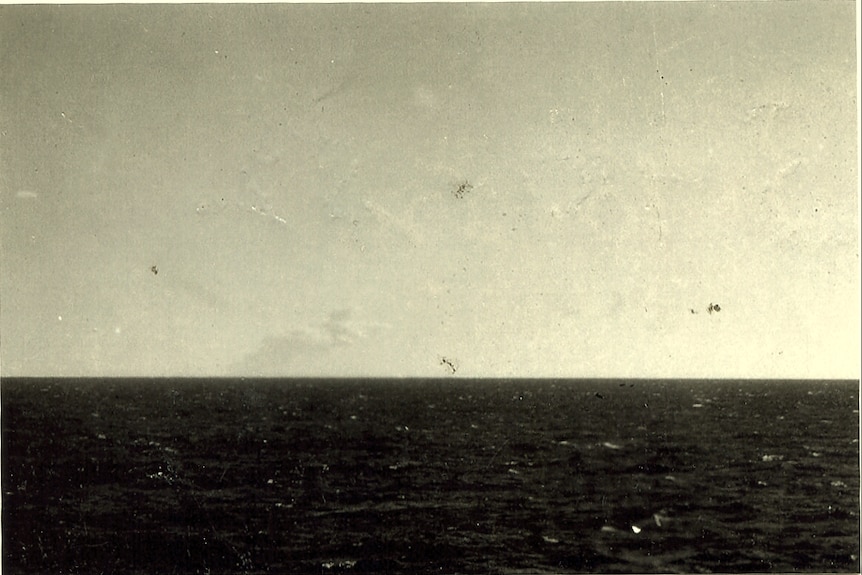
[{"x": 660, "y": 518}]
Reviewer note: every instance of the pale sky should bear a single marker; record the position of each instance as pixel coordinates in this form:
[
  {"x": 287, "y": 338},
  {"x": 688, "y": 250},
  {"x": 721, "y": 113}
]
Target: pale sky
[{"x": 271, "y": 190}]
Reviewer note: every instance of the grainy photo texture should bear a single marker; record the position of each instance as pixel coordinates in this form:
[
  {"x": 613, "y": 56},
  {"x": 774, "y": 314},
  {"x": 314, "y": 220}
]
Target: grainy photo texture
[{"x": 430, "y": 288}]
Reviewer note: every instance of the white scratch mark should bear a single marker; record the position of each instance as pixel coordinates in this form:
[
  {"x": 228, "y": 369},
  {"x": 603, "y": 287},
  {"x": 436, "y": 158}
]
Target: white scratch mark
[
  {"x": 676, "y": 45},
  {"x": 658, "y": 217},
  {"x": 658, "y": 69},
  {"x": 386, "y": 218}
]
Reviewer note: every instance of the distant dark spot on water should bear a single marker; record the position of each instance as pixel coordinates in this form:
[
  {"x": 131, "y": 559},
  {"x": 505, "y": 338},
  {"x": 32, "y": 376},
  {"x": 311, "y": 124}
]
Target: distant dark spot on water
[{"x": 155, "y": 270}]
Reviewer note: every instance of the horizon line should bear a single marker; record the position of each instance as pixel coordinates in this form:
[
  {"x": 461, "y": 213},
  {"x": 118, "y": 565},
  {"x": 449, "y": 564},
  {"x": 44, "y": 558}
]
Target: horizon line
[{"x": 418, "y": 378}]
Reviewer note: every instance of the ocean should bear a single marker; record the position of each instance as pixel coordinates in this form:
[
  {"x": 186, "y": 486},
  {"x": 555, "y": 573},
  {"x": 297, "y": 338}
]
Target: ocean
[{"x": 429, "y": 476}]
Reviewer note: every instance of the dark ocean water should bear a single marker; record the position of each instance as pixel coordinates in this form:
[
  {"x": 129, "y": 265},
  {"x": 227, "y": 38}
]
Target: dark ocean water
[{"x": 429, "y": 476}]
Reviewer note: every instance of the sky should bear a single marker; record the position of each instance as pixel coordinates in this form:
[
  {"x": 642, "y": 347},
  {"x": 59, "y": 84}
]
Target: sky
[{"x": 660, "y": 190}]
